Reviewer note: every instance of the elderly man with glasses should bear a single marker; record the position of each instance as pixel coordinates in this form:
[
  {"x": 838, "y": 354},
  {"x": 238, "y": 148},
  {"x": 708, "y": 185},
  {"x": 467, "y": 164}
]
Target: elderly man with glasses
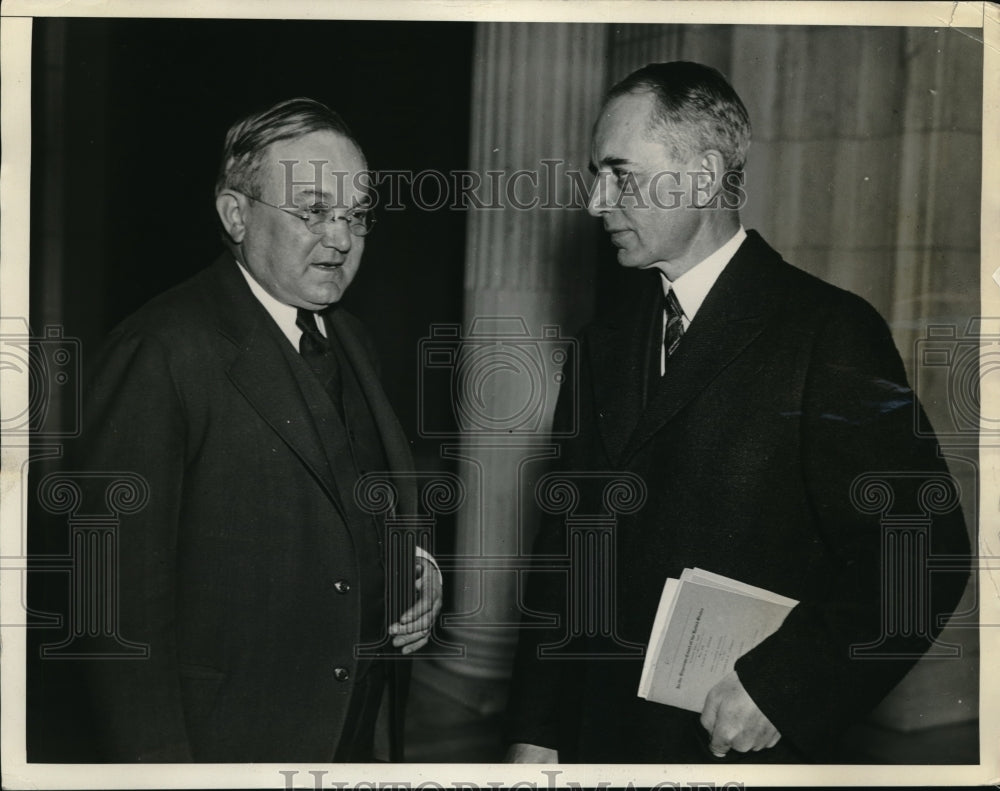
[{"x": 249, "y": 403}]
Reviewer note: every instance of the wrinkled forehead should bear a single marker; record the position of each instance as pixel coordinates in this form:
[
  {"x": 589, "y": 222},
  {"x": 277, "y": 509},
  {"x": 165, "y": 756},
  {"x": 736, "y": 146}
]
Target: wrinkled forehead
[
  {"x": 324, "y": 165},
  {"x": 625, "y": 123}
]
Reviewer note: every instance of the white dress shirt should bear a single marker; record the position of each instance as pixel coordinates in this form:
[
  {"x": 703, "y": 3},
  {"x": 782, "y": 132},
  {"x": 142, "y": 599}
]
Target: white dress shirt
[
  {"x": 284, "y": 315},
  {"x": 693, "y": 286}
]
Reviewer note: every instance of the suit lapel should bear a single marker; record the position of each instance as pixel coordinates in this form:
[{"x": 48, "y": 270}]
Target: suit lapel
[
  {"x": 262, "y": 372},
  {"x": 619, "y": 356},
  {"x": 394, "y": 442},
  {"x": 731, "y": 318}
]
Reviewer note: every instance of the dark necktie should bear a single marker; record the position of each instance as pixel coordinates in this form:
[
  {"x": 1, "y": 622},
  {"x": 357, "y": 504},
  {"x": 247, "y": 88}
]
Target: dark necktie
[
  {"x": 320, "y": 357},
  {"x": 673, "y": 325}
]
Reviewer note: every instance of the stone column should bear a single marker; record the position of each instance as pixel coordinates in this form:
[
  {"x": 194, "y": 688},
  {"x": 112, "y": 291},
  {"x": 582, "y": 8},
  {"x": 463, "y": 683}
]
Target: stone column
[{"x": 529, "y": 286}]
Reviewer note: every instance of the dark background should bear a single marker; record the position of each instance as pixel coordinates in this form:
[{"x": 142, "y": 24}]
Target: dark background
[
  {"x": 128, "y": 122},
  {"x": 129, "y": 118}
]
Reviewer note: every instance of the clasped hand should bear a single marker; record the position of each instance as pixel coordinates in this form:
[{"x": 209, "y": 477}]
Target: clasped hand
[
  {"x": 733, "y": 720},
  {"x": 413, "y": 629}
]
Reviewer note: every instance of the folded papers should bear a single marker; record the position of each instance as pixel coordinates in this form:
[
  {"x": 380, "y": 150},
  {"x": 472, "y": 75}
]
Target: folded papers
[{"x": 704, "y": 623}]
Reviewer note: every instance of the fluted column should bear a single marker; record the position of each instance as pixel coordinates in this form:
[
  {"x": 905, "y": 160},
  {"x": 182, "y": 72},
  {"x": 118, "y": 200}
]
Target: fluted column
[{"x": 528, "y": 286}]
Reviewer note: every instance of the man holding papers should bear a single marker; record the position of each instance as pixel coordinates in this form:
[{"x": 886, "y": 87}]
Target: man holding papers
[
  {"x": 752, "y": 399},
  {"x": 704, "y": 623}
]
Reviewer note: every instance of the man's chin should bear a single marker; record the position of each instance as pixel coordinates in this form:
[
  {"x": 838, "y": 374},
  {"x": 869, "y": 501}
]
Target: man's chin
[
  {"x": 323, "y": 298},
  {"x": 630, "y": 260},
  {"x": 331, "y": 289}
]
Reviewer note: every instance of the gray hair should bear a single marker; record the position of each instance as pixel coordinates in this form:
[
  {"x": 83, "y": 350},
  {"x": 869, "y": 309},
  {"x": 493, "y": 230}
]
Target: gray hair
[
  {"x": 247, "y": 139},
  {"x": 696, "y": 109}
]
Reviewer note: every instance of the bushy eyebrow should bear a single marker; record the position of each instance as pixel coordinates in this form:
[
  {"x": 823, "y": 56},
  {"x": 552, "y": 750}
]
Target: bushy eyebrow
[{"x": 611, "y": 162}]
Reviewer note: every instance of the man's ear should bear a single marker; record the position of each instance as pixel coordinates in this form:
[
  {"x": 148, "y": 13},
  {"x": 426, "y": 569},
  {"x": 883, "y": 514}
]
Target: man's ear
[
  {"x": 711, "y": 173},
  {"x": 231, "y": 207}
]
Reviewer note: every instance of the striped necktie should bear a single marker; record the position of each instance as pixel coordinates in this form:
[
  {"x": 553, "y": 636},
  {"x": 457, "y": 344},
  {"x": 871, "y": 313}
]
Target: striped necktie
[{"x": 673, "y": 328}]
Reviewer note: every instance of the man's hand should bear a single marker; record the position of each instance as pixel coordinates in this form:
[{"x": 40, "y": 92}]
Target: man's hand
[
  {"x": 531, "y": 754},
  {"x": 733, "y": 720},
  {"x": 413, "y": 629}
]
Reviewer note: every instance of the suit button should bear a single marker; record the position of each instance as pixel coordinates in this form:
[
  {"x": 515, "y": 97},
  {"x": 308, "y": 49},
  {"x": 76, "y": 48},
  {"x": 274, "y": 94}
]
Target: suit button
[
  {"x": 342, "y": 586},
  {"x": 341, "y": 673}
]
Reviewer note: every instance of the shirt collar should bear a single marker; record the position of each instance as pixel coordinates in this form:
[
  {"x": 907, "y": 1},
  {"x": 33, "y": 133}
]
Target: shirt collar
[
  {"x": 284, "y": 315},
  {"x": 693, "y": 286}
]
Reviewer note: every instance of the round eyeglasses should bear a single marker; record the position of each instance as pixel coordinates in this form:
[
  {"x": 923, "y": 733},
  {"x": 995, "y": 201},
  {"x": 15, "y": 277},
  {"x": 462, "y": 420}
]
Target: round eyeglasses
[{"x": 359, "y": 219}]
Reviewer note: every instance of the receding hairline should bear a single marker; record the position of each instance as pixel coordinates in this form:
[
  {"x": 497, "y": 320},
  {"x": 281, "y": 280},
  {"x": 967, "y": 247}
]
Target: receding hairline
[
  {"x": 250, "y": 139},
  {"x": 264, "y": 159},
  {"x": 334, "y": 171},
  {"x": 682, "y": 129},
  {"x": 668, "y": 133}
]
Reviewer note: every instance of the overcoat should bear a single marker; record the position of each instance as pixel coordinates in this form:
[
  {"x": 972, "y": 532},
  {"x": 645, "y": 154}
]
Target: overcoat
[
  {"x": 759, "y": 449},
  {"x": 241, "y": 572}
]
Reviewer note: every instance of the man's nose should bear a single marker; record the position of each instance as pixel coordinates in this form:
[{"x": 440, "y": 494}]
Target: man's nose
[
  {"x": 337, "y": 234},
  {"x": 599, "y": 202}
]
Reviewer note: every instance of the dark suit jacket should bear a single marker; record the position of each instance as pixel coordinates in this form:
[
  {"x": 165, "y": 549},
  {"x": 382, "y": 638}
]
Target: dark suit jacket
[
  {"x": 782, "y": 392},
  {"x": 228, "y": 572}
]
